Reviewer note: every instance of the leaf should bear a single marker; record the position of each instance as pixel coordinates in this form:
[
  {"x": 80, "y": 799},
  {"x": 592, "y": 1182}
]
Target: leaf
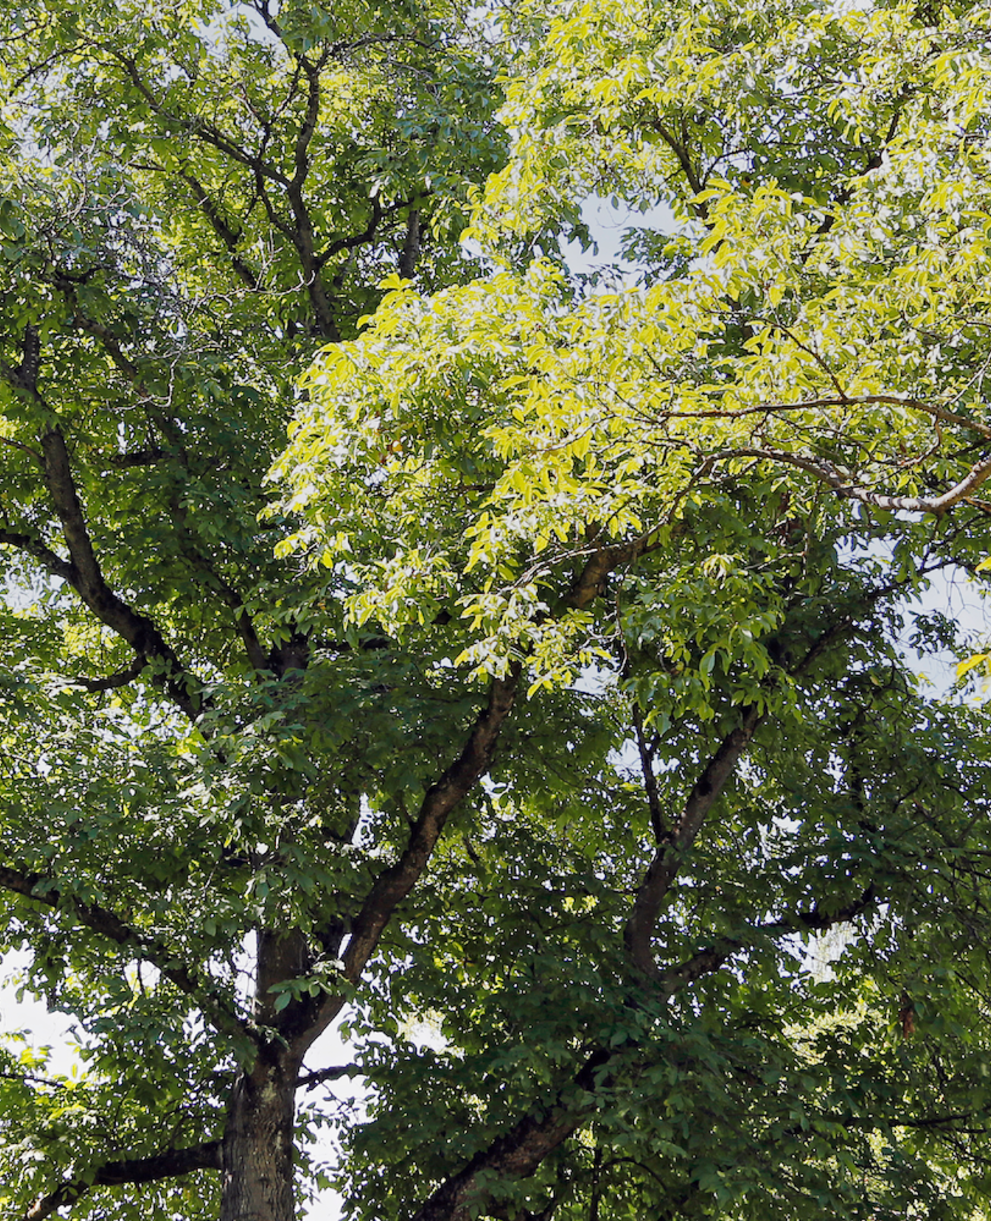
[{"x": 971, "y": 663}]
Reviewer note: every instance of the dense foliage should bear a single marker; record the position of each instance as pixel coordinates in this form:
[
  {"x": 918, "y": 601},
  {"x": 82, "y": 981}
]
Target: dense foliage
[{"x": 555, "y": 691}]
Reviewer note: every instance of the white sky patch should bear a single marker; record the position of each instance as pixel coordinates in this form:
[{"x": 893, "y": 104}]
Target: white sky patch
[
  {"x": 607, "y": 223},
  {"x": 30, "y": 1016}
]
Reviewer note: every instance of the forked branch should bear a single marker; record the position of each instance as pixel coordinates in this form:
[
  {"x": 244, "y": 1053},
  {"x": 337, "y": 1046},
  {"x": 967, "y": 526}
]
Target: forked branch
[
  {"x": 82, "y": 571},
  {"x": 667, "y": 859}
]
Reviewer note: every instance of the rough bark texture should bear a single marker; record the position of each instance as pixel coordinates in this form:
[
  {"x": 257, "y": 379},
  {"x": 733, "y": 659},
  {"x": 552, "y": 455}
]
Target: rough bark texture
[{"x": 257, "y": 1151}]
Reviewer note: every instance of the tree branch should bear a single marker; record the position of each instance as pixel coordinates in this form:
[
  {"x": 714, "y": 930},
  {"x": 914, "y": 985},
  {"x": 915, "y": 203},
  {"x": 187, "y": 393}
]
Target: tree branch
[
  {"x": 47, "y": 1082},
  {"x": 83, "y": 571},
  {"x": 664, "y": 867},
  {"x": 517, "y": 1154},
  {"x": 591, "y": 581},
  {"x": 139, "y": 457},
  {"x": 711, "y": 958},
  {"x": 680, "y": 150},
  {"x": 227, "y": 234},
  {"x": 657, "y": 821},
  {"x": 25, "y": 376},
  {"x": 309, "y": 1081},
  {"x": 303, "y": 237},
  {"x": 25, "y": 449},
  {"x": 114, "y": 681},
  {"x": 50, "y": 561},
  {"x": 943, "y": 414},
  {"x": 262, "y": 9},
  {"x": 196, "y": 125},
  {"x": 41, "y": 889},
  {"x": 411, "y": 245},
  {"x": 842, "y": 482},
  {"x": 86, "y": 578},
  {"x": 341, "y": 244},
  {"x": 168, "y": 1165},
  {"x": 395, "y": 883},
  {"x": 109, "y": 340}
]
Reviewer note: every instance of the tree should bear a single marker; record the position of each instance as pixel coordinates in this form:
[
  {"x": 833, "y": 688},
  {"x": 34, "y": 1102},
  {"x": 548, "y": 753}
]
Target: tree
[
  {"x": 561, "y": 694},
  {"x": 194, "y": 199}
]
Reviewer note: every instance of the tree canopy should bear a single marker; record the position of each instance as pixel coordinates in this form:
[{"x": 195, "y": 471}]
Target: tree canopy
[{"x": 409, "y": 628}]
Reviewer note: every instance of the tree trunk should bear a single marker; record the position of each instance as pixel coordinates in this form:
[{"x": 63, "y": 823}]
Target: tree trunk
[{"x": 258, "y": 1143}]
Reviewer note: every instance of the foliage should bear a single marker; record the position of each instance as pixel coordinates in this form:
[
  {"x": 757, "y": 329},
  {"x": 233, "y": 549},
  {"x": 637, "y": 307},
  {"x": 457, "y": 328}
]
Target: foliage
[{"x": 556, "y": 685}]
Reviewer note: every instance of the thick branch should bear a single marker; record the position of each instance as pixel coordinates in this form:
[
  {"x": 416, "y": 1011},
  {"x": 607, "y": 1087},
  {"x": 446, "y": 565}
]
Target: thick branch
[
  {"x": 138, "y": 457},
  {"x": 680, "y": 150},
  {"x": 517, "y": 1154},
  {"x": 303, "y": 237},
  {"x": 657, "y": 820},
  {"x": 307, "y": 130},
  {"x": 411, "y": 245},
  {"x": 52, "y": 563},
  {"x": 261, "y": 7},
  {"x": 395, "y": 883},
  {"x": 88, "y": 581},
  {"x": 168, "y": 1165},
  {"x": 309, "y": 1081},
  {"x": 667, "y": 859},
  {"x": 147, "y": 457},
  {"x": 252, "y": 645},
  {"x": 340, "y": 244},
  {"x": 591, "y": 581},
  {"x": 37, "y": 887},
  {"x": 711, "y": 958},
  {"x": 25, "y": 376},
  {"x": 82, "y": 571},
  {"x": 664, "y": 867},
  {"x": 230, "y": 236}
]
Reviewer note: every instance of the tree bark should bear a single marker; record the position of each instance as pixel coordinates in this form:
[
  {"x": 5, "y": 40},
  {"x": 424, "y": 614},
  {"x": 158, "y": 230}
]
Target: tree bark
[{"x": 257, "y": 1152}]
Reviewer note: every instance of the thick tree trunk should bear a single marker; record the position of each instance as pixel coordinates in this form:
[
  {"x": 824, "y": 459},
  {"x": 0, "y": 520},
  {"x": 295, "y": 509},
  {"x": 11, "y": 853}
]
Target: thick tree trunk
[
  {"x": 258, "y": 1144},
  {"x": 258, "y": 1139}
]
